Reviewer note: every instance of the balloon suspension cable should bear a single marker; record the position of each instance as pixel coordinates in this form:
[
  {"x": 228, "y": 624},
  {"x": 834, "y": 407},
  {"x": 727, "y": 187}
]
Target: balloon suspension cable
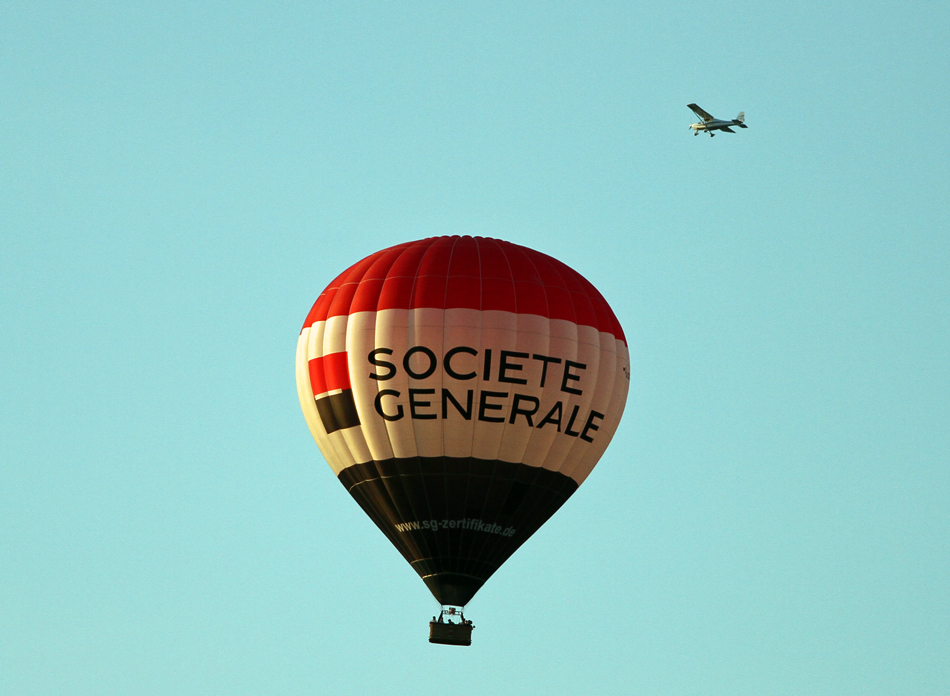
[{"x": 453, "y": 615}]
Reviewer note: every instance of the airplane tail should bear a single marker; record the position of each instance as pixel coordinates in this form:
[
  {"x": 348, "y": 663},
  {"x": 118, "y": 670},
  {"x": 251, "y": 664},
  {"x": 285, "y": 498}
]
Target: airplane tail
[{"x": 740, "y": 120}]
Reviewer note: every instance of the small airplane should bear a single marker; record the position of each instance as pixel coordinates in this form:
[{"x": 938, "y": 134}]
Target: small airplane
[{"x": 710, "y": 124}]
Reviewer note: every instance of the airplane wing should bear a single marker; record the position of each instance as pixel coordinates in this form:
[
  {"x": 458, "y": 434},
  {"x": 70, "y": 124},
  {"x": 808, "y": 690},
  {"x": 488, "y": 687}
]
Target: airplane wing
[
  {"x": 699, "y": 112},
  {"x": 727, "y": 129}
]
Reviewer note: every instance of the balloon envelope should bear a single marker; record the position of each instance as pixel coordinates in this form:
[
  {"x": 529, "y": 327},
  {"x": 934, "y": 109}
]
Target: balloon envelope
[{"x": 461, "y": 389}]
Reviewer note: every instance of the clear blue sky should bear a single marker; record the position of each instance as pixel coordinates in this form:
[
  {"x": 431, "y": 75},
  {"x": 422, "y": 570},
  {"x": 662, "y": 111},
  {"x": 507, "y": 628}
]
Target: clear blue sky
[{"x": 179, "y": 181}]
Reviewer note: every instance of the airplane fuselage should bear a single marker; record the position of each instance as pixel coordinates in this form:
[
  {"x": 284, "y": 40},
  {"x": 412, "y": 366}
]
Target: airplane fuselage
[{"x": 717, "y": 125}]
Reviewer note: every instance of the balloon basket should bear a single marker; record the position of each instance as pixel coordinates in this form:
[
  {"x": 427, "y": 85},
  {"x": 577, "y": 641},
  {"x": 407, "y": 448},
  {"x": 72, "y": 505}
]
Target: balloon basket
[{"x": 450, "y": 628}]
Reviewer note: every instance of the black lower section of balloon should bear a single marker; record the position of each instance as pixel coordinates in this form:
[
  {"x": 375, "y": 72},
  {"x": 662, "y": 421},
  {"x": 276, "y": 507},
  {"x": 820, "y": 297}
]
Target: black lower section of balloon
[{"x": 456, "y": 520}]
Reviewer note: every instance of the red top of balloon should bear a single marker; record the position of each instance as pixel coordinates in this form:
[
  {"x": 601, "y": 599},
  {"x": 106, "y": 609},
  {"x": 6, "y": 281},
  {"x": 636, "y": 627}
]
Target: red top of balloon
[{"x": 466, "y": 273}]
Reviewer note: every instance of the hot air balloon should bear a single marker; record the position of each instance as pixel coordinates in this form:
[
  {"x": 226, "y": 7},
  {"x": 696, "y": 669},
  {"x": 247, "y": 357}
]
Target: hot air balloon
[{"x": 461, "y": 389}]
